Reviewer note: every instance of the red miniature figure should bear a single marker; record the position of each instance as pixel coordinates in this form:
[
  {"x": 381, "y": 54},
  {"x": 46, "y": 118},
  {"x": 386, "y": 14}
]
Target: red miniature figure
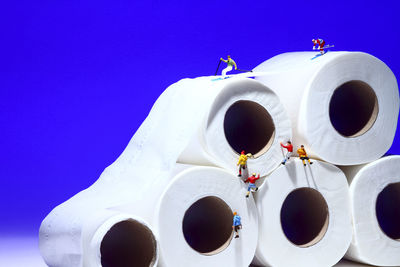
[
  {"x": 320, "y": 43},
  {"x": 289, "y": 148},
  {"x": 252, "y": 183}
]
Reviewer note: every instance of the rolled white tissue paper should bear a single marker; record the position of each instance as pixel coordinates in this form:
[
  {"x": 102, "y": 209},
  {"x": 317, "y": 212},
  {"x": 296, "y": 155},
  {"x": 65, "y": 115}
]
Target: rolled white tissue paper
[
  {"x": 245, "y": 115},
  {"x": 375, "y": 204},
  {"x": 71, "y": 234},
  {"x": 343, "y": 105},
  {"x": 195, "y": 216},
  {"x": 304, "y": 216}
]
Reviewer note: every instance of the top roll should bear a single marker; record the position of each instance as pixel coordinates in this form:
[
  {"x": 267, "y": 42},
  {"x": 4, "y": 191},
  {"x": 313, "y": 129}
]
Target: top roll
[{"x": 343, "y": 105}]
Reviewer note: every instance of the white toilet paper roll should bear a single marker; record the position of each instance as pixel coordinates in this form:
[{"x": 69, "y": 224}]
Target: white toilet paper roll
[
  {"x": 245, "y": 115},
  {"x": 304, "y": 216},
  {"x": 134, "y": 182},
  {"x": 343, "y": 105},
  {"x": 194, "y": 223},
  {"x": 375, "y": 205}
]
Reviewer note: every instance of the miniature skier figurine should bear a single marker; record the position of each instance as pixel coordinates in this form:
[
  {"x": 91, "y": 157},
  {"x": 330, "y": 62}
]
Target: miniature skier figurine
[
  {"x": 289, "y": 148},
  {"x": 303, "y": 155},
  {"x": 252, "y": 183},
  {"x": 230, "y": 63},
  {"x": 243, "y": 161},
  {"x": 320, "y": 43},
  {"x": 236, "y": 224}
]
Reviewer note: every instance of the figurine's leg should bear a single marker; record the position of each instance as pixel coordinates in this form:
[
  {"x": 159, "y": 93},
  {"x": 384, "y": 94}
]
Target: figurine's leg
[
  {"x": 303, "y": 160},
  {"x": 224, "y": 71},
  {"x": 309, "y": 161},
  {"x": 236, "y": 231},
  {"x": 248, "y": 191},
  {"x": 240, "y": 171}
]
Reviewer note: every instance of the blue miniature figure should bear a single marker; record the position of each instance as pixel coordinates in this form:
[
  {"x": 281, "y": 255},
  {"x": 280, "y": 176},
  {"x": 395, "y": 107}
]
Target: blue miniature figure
[{"x": 236, "y": 224}]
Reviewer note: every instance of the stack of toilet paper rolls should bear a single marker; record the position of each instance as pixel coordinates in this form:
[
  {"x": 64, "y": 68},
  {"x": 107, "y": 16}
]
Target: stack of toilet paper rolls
[{"x": 169, "y": 199}]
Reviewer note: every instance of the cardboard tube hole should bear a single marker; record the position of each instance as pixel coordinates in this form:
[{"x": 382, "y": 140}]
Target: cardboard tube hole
[
  {"x": 128, "y": 243},
  {"x": 248, "y": 126},
  {"x": 353, "y": 108},
  {"x": 304, "y": 217},
  {"x": 388, "y": 210},
  {"x": 207, "y": 225}
]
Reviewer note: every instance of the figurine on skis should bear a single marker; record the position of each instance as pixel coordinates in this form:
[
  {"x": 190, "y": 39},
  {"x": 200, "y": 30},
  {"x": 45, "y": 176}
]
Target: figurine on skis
[
  {"x": 319, "y": 44},
  {"x": 230, "y": 62}
]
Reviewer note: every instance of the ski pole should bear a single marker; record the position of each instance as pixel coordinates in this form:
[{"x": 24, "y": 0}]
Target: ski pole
[
  {"x": 245, "y": 70},
  {"x": 219, "y": 63}
]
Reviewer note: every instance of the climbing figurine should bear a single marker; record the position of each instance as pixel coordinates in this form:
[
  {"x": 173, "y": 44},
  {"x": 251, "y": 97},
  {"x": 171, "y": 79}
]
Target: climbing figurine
[
  {"x": 236, "y": 224},
  {"x": 303, "y": 155},
  {"x": 252, "y": 184},
  {"x": 289, "y": 148},
  {"x": 242, "y": 162},
  {"x": 321, "y": 45},
  {"x": 230, "y": 63}
]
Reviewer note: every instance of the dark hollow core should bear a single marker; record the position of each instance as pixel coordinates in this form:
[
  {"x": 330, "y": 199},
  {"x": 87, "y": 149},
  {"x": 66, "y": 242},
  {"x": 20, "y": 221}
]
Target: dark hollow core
[
  {"x": 388, "y": 210},
  {"x": 128, "y": 244},
  {"x": 248, "y": 126},
  {"x": 207, "y": 224},
  {"x": 353, "y": 108},
  {"x": 304, "y": 217}
]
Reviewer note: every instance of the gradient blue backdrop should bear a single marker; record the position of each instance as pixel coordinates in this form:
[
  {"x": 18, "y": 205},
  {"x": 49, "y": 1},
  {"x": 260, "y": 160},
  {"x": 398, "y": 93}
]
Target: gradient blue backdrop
[{"x": 77, "y": 79}]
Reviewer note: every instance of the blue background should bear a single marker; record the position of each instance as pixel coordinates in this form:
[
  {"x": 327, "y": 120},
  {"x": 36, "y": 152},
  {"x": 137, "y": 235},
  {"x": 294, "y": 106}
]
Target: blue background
[{"x": 77, "y": 79}]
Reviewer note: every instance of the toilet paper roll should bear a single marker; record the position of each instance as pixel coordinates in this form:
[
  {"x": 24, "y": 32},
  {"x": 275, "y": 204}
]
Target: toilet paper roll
[
  {"x": 121, "y": 240},
  {"x": 304, "y": 216},
  {"x": 133, "y": 183},
  {"x": 343, "y": 105},
  {"x": 245, "y": 115},
  {"x": 194, "y": 222},
  {"x": 375, "y": 205}
]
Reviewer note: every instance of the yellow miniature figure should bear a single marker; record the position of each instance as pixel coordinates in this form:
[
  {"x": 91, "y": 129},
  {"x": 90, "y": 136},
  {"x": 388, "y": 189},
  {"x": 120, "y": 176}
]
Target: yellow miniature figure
[
  {"x": 242, "y": 162},
  {"x": 230, "y": 63},
  {"x": 303, "y": 155}
]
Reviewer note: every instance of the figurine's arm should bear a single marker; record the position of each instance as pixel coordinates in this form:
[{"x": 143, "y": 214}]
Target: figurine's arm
[
  {"x": 287, "y": 147},
  {"x": 234, "y": 63},
  {"x": 258, "y": 177},
  {"x": 226, "y": 61}
]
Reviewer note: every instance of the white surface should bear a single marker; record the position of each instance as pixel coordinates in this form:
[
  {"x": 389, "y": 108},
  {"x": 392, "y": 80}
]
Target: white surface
[
  {"x": 188, "y": 187},
  {"x": 21, "y": 251},
  {"x": 24, "y": 252},
  {"x": 370, "y": 244},
  {"x": 131, "y": 186},
  {"x": 274, "y": 248},
  {"x": 305, "y": 88}
]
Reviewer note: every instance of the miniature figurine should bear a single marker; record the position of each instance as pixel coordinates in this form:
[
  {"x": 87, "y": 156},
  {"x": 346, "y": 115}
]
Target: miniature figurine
[
  {"x": 289, "y": 148},
  {"x": 303, "y": 155},
  {"x": 230, "y": 63},
  {"x": 243, "y": 161},
  {"x": 252, "y": 183},
  {"x": 321, "y": 46},
  {"x": 320, "y": 43},
  {"x": 236, "y": 224}
]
